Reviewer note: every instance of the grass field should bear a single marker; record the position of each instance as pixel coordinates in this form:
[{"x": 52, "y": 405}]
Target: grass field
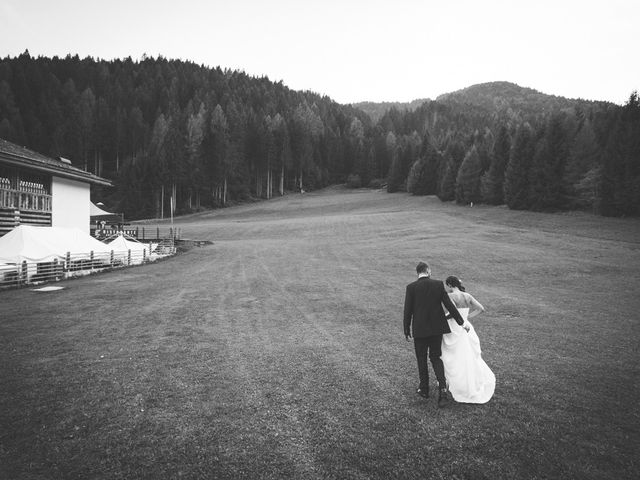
[{"x": 277, "y": 352}]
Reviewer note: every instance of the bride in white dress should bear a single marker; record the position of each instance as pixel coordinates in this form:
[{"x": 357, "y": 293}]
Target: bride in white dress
[{"x": 469, "y": 378}]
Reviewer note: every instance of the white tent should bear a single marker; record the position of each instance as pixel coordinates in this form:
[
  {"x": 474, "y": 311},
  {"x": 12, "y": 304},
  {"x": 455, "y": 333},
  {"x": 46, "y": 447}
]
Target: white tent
[
  {"x": 120, "y": 244},
  {"x": 46, "y": 244},
  {"x": 95, "y": 211},
  {"x": 96, "y": 214}
]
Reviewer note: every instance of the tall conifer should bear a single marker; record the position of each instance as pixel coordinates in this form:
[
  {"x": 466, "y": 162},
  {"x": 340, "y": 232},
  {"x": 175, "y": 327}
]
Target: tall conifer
[
  {"x": 547, "y": 187},
  {"x": 620, "y": 187},
  {"x": 453, "y": 157},
  {"x": 468, "y": 178},
  {"x": 584, "y": 158},
  {"x": 493, "y": 179},
  {"x": 516, "y": 181}
]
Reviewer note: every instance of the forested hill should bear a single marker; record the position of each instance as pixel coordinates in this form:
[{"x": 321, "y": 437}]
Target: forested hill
[
  {"x": 176, "y": 136},
  {"x": 502, "y": 98},
  {"x": 499, "y": 143},
  {"x": 172, "y": 129},
  {"x": 508, "y": 98}
]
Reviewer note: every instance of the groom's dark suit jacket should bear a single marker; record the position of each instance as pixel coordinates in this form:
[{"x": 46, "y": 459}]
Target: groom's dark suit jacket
[{"x": 423, "y": 308}]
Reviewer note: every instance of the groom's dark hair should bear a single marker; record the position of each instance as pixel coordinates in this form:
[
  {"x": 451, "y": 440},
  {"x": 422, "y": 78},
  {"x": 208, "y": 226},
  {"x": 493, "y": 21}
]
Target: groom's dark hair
[{"x": 422, "y": 268}]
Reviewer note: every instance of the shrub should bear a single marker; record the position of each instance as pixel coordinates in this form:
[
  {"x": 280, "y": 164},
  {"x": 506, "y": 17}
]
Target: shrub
[
  {"x": 353, "y": 181},
  {"x": 377, "y": 183}
]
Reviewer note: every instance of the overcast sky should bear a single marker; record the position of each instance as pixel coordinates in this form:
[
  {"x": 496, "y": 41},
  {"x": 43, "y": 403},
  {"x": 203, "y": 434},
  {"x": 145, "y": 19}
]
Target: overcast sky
[{"x": 355, "y": 50}]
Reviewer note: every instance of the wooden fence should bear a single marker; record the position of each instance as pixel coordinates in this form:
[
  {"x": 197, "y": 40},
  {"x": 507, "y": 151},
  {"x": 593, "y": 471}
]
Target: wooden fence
[{"x": 79, "y": 264}]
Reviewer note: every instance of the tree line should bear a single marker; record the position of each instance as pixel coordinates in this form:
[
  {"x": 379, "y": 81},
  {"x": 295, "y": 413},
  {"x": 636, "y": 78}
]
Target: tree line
[
  {"x": 577, "y": 156},
  {"x": 177, "y": 137}
]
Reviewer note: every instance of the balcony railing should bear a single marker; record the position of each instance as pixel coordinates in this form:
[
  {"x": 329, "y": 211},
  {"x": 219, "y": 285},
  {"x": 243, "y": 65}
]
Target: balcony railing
[{"x": 25, "y": 201}]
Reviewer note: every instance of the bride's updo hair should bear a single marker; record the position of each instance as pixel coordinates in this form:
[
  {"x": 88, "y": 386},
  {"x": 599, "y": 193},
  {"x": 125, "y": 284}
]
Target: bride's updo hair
[{"x": 454, "y": 282}]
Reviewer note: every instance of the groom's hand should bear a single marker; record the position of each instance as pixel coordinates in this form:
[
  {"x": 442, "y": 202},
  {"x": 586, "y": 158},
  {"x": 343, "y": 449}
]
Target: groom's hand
[{"x": 407, "y": 336}]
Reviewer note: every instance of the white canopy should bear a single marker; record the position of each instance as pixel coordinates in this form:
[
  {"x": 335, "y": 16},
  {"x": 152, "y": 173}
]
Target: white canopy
[
  {"x": 121, "y": 247},
  {"x": 45, "y": 244},
  {"x": 95, "y": 211},
  {"x": 121, "y": 244}
]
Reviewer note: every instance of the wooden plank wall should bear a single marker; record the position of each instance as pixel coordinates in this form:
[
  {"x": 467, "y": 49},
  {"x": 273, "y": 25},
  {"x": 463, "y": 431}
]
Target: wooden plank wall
[{"x": 11, "y": 218}]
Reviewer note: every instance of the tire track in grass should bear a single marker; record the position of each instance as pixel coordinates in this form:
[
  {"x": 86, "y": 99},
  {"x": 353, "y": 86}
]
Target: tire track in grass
[
  {"x": 249, "y": 351},
  {"x": 305, "y": 432},
  {"x": 271, "y": 400},
  {"x": 220, "y": 396},
  {"x": 285, "y": 417}
]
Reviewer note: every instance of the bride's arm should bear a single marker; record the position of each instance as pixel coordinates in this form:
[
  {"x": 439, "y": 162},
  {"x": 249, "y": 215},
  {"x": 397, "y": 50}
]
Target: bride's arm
[{"x": 475, "y": 307}]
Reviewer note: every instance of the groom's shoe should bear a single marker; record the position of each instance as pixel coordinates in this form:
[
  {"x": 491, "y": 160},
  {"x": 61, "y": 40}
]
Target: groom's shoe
[
  {"x": 423, "y": 392},
  {"x": 443, "y": 398}
]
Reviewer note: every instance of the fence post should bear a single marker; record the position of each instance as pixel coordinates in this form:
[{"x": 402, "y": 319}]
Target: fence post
[
  {"x": 24, "y": 273},
  {"x": 111, "y": 259},
  {"x": 56, "y": 270},
  {"x": 91, "y": 259},
  {"x": 143, "y": 233},
  {"x": 68, "y": 261},
  {"x": 129, "y": 257},
  {"x": 144, "y": 255},
  {"x": 137, "y": 232}
]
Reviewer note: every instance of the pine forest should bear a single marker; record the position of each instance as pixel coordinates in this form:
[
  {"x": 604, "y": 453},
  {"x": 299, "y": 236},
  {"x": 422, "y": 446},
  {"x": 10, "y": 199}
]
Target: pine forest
[{"x": 176, "y": 137}]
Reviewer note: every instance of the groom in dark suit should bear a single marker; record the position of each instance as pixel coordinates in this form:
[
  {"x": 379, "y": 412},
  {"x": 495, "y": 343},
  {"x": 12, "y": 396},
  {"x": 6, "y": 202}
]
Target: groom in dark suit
[{"x": 423, "y": 314}]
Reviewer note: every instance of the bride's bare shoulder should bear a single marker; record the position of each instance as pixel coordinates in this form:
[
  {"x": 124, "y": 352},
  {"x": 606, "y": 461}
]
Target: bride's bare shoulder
[
  {"x": 471, "y": 300},
  {"x": 458, "y": 298}
]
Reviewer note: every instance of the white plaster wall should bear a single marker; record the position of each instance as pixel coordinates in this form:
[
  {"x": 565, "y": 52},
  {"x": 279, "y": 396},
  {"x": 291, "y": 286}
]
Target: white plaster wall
[{"x": 70, "y": 201}]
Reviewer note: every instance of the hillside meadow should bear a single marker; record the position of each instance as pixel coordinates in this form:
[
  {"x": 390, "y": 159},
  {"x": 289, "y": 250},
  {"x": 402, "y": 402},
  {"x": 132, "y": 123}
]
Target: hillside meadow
[{"x": 277, "y": 351}]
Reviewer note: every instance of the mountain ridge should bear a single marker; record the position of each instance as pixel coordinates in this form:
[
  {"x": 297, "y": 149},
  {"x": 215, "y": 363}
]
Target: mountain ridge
[{"x": 499, "y": 96}]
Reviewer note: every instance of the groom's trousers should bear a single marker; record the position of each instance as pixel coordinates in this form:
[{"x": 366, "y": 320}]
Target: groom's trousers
[{"x": 429, "y": 348}]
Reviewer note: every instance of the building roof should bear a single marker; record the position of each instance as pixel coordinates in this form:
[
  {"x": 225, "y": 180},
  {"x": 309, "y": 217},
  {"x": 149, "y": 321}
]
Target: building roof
[{"x": 18, "y": 156}]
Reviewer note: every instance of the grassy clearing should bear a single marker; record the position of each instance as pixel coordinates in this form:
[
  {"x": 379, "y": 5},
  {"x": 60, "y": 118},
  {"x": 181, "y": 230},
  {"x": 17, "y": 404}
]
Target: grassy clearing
[{"x": 277, "y": 352}]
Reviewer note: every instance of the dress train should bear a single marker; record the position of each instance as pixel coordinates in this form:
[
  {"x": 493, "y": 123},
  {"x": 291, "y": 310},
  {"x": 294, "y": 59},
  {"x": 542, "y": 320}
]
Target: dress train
[{"x": 469, "y": 378}]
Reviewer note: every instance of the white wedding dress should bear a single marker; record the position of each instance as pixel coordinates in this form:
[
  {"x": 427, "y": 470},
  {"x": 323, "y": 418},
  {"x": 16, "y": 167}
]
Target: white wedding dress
[{"x": 469, "y": 378}]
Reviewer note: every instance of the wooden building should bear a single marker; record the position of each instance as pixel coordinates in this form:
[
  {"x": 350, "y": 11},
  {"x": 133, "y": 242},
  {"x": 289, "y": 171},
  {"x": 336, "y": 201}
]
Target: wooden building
[{"x": 40, "y": 190}]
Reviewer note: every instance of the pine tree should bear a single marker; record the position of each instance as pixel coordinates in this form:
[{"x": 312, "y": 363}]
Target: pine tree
[
  {"x": 631, "y": 115},
  {"x": 433, "y": 165},
  {"x": 416, "y": 178},
  {"x": 587, "y": 190},
  {"x": 196, "y": 125},
  {"x": 547, "y": 188},
  {"x": 217, "y": 155},
  {"x": 307, "y": 127},
  {"x": 87, "y": 125},
  {"x": 358, "y": 150},
  {"x": 447, "y": 188},
  {"x": 468, "y": 178},
  {"x": 236, "y": 153},
  {"x": 493, "y": 179},
  {"x": 424, "y": 173},
  {"x": 453, "y": 157},
  {"x": 620, "y": 182},
  {"x": 158, "y": 154},
  {"x": 582, "y": 167},
  {"x": 395, "y": 177},
  {"x": 516, "y": 181}
]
